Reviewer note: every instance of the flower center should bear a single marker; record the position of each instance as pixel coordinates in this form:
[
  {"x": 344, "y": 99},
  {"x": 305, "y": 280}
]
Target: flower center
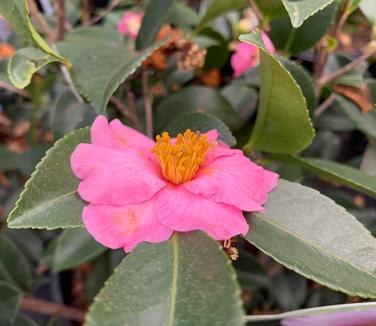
[{"x": 180, "y": 162}]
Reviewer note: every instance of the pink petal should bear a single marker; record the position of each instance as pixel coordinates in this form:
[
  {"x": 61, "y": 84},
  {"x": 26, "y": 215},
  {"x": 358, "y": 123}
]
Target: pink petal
[
  {"x": 118, "y": 136},
  {"x": 267, "y": 42},
  {"x": 113, "y": 177},
  {"x": 181, "y": 210},
  {"x": 243, "y": 58},
  {"x": 234, "y": 180},
  {"x": 124, "y": 226}
]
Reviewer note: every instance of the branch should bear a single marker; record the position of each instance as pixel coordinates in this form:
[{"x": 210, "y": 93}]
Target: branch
[
  {"x": 60, "y": 26},
  {"x": 40, "y": 20},
  {"x": 345, "y": 69},
  {"x": 325, "y": 105},
  {"x": 48, "y": 308},
  {"x": 105, "y": 12},
  {"x": 147, "y": 103},
  {"x": 128, "y": 112},
  {"x": 13, "y": 89}
]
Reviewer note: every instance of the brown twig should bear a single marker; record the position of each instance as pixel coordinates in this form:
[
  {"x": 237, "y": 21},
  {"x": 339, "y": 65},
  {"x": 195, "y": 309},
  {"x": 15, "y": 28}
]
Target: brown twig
[
  {"x": 127, "y": 111},
  {"x": 13, "y": 89},
  {"x": 345, "y": 69},
  {"x": 87, "y": 12},
  {"x": 147, "y": 103},
  {"x": 325, "y": 105},
  {"x": 60, "y": 26},
  {"x": 105, "y": 12},
  {"x": 40, "y": 20},
  {"x": 255, "y": 10},
  {"x": 48, "y": 308}
]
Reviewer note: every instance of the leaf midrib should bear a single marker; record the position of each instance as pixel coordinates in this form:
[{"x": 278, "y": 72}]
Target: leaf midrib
[
  {"x": 312, "y": 244},
  {"x": 174, "y": 284},
  {"x": 40, "y": 207}
]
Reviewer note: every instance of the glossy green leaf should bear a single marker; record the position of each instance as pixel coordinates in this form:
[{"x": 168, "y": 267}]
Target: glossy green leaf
[
  {"x": 14, "y": 267},
  {"x": 70, "y": 249},
  {"x": 194, "y": 99},
  {"x": 292, "y": 40},
  {"x": 340, "y": 173},
  {"x": 365, "y": 122},
  {"x": 201, "y": 122},
  {"x": 155, "y": 14},
  {"x": 362, "y": 306},
  {"x": 181, "y": 14},
  {"x": 300, "y": 10},
  {"x": 50, "y": 199},
  {"x": 218, "y": 8},
  {"x": 304, "y": 81},
  {"x": 283, "y": 124},
  {"x": 250, "y": 273},
  {"x": 10, "y": 300},
  {"x": 177, "y": 282},
  {"x": 24, "y": 63},
  {"x": 310, "y": 234},
  {"x": 270, "y": 9},
  {"x": 101, "y": 62},
  {"x": 16, "y": 12}
]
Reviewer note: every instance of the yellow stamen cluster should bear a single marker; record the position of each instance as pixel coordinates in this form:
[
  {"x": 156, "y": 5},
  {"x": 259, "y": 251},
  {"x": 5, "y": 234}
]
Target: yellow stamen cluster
[{"x": 180, "y": 162}]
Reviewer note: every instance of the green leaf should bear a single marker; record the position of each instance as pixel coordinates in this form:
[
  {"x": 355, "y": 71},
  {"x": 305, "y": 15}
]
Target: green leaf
[
  {"x": 270, "y": 9},
  {"x": 155, "y": 14},
  {"x": 218, "y": 8},
  {"x": 282, "y": 124},
  {"x": 201, "y": 122},
  {"x": 24, "y": 63},
  {"x": 365, "y": 122},
  {"x": 310, "y": 234},
  {"x": 250, "y": 273},
  {"x": 10, "y": 300},
  {"x": 177, "y": 282},
  {"x": 304, "y": 81},
  {"x": 300, "y": 10},
  {"x": 70, "y": 249},
  {"x": 368, "y": 7},
  {"x": 22, "y": 320},
  {"x": 194, "y": 99},
  {"x": 362, "y": 306},
  {"x": 14, "y": 268},
  {"x": 292, "y": 40},
  {"x": 50, "y": 199},
  {"x": 181, "y": 14},
  {"x": 343, "y": 174},
  {"x": 16, "y": 12},
  {"x": 101, "y": 62}
]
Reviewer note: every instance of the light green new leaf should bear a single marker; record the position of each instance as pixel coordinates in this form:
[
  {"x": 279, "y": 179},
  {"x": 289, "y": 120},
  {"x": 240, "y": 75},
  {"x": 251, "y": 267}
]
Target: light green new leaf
[
  {"x": 343, "y": 174},
  {"x": 155, "y": 14},
  {"x": 25, "y": 62},
  {"x": 50, "y": 199},
  {"x": 304, "y": 81},
  {"x": 201, "y": 122},
  {"x": 71, "y": 248},
  {"x": 16, "y": 12},
  {"x": 101, "y": 62},
  {"x": 187, "y": 280},
  {"x": 309, "y": 233},
  {"x": 14, "y": 267},
  {"x": 218, "y": 8},
  {"x": 300, "y": 10},
  {"x": 282, "y": 124},
  {"x": 10, "y": 300}
]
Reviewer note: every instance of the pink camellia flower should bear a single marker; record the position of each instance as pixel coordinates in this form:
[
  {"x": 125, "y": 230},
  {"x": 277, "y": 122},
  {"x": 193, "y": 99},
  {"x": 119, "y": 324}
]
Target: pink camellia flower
[
  {"x": 130, "y": 24},
  {"x": 347, "y": 318},
  {"x": 247, "y": 56},
  {"x": 140, "y": 190}
]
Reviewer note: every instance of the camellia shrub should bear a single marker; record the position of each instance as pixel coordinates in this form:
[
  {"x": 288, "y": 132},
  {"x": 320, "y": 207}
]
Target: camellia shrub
[{"x": 200, "y": 162}]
